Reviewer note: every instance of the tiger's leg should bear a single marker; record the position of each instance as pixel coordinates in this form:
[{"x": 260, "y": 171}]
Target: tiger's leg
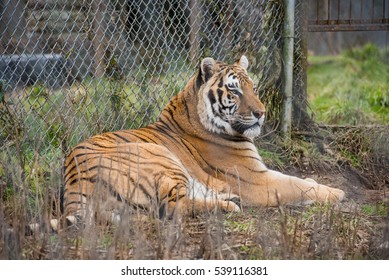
[
  {"x": 275, "y": 188},
  {"x": 191, "y": 196}
]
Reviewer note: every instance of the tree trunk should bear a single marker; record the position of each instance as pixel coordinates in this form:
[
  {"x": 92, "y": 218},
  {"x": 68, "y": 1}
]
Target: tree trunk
[
  {"x": 194, "y": 25},
  {"x": 99, "y": 41}
]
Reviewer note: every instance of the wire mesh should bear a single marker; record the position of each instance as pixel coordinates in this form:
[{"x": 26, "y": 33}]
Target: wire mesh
[{"x": 70, "y": 69}]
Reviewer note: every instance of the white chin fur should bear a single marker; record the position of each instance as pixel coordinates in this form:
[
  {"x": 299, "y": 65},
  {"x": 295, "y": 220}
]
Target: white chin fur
[{"x": 252, "y": 132}]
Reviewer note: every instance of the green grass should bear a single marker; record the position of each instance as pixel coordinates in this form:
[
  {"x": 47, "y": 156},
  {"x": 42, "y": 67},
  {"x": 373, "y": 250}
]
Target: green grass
[
  {"x": 272, "y": 158},
  {"x": 350, "y": 88},
  {"x": 380, "y": 209}
]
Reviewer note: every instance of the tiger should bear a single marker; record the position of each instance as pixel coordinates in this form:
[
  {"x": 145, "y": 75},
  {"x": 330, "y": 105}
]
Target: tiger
[{"x": 198, "y": 155}]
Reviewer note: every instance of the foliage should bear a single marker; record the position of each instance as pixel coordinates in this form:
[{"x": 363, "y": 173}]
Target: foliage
[
  {"x": 271, "y": 158},
  {"x": 351, "y": 88},
  {"x": 40, "y": 125},
  {"x": 379, "y": 209}
]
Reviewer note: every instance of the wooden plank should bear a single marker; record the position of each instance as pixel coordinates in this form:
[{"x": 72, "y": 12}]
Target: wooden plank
[{"x": 348, "y": 27}]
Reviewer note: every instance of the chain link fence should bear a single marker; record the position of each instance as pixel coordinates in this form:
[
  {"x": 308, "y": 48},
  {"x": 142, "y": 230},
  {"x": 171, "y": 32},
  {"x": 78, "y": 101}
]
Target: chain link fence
[
  {"x": 70, "y": 69},
  {"x": 300, "y": 119}
]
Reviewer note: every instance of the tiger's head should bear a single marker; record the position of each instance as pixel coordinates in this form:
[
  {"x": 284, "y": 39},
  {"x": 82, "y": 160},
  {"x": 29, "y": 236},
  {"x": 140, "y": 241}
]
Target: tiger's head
[{"x": 227, "y": 101}]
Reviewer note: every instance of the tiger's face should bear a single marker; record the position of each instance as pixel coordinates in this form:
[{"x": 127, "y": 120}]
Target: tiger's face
[{"x": 227, "y": 102}]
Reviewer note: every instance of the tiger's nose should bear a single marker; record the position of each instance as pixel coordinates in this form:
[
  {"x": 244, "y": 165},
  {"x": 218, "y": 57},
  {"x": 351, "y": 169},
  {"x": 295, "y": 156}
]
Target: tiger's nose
[{"x": 258, "y": 114}]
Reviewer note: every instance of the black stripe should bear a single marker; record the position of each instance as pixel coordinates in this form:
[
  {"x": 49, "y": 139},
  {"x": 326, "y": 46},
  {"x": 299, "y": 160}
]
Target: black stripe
[
  {"x": 67, "y": 172},
  {"x": 235, "y": 138},
  {"x": 75, "y": 148},
  {"x": 220, "y": 84},
  {"x": 207, "y": 75},
  {"x": 90, "y": 180},
  {"x": 186, "y": 109},
  {"x": 83, "y": 147},
  {"x": 91, "y": 168},
  {"x": 226, "y": 137},
  {"x": 220, "y": 96},
  {"x": 170, "y": 124},
  {"x": 205, "y": 163},
  {"x": 123, "y": 199},
  {"x": 78, "y": 202},
  {"x": 211, "y": 97},
  {"x": 99, "y": 145},
  {"x": 120, "y": 137},
  {"x": 172, "y": 102},
  {"x": 75, "y": 193},
  {"x": 78, "y": 172},
  {"x": 172, "y": 117},
  {"x": 163, "y": 130},
  {"x": 175, "y": 198},
  {"x": 170, "y": 196},
  {"x": 140, "y": 134},
  {"x": 92, "y": 145},
  {"x": 199, "y": 80},
  {"x": 106, "y": 137}
]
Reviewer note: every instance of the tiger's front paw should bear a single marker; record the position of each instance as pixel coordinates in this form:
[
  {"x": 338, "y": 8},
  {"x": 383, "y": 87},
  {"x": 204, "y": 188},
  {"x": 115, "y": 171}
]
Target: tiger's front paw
[
  {"x": 336, "y": 195},
  {"x": 235, "y": 200},
  {"x": 328, "y": 194},
  {"x": 229, "y": 202},
  {"x": 230, "y": 205}
]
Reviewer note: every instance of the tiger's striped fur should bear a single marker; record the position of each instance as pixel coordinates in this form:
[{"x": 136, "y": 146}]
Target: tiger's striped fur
[{"x": 198, "y": 155}]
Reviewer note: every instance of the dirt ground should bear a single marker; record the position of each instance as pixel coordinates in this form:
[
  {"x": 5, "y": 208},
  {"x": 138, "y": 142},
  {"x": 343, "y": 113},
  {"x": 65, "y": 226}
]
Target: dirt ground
[{"x": 357, "y": 187}]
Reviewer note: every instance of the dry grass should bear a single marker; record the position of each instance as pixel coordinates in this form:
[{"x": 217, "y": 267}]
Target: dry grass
[
  {"x": 30, "y": 184},
  {"x": 312, "y": 232},
  {"x": 355, "y": 229}
]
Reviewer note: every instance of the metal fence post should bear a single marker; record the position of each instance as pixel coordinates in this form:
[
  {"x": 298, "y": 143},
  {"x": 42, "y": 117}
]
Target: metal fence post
[{"x": 287, "y": 53}]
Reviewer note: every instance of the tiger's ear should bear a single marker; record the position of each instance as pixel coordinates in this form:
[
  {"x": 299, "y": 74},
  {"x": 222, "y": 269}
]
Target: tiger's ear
[
  {"x": 244, "y": 62},
  {"x": 207, "y": 68}
]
